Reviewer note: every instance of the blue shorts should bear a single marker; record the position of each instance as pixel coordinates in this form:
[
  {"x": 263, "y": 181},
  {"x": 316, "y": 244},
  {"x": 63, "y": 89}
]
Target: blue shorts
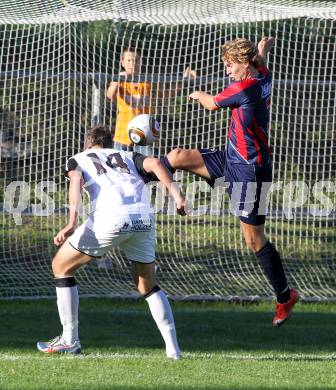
[{"x": 246, "y": 184}]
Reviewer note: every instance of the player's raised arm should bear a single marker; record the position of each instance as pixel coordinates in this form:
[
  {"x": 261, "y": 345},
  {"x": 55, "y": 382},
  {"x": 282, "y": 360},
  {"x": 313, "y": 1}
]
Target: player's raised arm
[
  {"x": 112, "y": 91},
  {"x": 189, "y": 73},
  {"x": 264, "y": 47},
  {"x": 75, "y": 197},
  {"x": 206, "y": 100},
  {"x": 154, "y": 167}
]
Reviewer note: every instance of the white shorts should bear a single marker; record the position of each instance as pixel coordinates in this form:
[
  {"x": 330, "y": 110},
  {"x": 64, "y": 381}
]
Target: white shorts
[{"x": 133, "y": 234}]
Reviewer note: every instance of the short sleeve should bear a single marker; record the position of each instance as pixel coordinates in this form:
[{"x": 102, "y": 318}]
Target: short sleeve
[
  {"x": 229, "y": 97},
  {"x": 71, "y": 165},
  {"x": 138, "y": 160}
]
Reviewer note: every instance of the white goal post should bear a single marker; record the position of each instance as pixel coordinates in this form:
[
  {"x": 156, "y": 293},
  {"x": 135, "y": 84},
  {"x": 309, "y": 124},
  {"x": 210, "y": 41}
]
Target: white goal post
[{"x": 56, "y": 60}]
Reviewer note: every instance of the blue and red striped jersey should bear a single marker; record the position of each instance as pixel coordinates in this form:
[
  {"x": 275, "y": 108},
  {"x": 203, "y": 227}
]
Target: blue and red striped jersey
[{"x": 249, "y": 101}]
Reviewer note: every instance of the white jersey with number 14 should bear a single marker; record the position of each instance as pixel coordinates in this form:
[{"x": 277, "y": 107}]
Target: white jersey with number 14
[{"x": 112, "y": 181}]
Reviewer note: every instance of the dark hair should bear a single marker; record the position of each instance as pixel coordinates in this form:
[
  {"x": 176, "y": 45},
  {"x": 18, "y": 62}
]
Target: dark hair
[{"x": 100, "y": 135}]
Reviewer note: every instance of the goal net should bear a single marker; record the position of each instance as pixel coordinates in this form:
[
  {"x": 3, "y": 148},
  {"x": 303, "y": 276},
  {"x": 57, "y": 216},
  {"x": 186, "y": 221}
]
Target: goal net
[{"x": 57, "y": 59}]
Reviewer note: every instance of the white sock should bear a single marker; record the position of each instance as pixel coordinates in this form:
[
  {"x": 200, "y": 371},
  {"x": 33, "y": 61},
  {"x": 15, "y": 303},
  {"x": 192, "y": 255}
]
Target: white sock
[
  {"x": 67, "y": 303},
  {"x": 163, "y": 316}
]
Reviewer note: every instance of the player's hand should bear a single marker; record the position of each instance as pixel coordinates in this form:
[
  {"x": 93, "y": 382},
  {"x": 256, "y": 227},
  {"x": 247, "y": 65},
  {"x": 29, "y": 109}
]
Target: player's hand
[
  {"x": 183, "y": 207},
  {"x": 194, "y": 96},
  {"x": 189, "y": 73},
  {"x": 111, "y": 90},
  {"x": 63, "y": 234},
  {"x": 265, "y": 45}
]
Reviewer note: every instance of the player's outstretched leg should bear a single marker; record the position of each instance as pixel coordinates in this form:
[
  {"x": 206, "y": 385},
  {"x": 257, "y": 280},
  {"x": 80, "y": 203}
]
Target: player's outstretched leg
[
  {"x": 144, "y": 278},
  {"x": 190, "y": 160},
  {"x": 271, "y": 263},
  {"x": 66, "y": 261}
]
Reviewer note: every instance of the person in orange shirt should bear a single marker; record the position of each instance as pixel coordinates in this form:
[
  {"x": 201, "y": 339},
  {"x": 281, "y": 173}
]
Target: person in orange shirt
[{"x": 132, "y": 98}]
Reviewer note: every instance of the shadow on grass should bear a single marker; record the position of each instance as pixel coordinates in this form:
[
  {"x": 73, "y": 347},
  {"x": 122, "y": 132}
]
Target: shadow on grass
[{"x": 109, "y": 326}]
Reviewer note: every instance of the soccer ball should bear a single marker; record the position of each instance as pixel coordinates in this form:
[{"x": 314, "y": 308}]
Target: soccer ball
[{"x": 143, "y": 129}]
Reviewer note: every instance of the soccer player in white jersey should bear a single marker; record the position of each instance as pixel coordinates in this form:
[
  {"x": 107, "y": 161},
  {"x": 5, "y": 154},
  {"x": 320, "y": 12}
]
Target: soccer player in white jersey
[{"x": 121, "y": 215}]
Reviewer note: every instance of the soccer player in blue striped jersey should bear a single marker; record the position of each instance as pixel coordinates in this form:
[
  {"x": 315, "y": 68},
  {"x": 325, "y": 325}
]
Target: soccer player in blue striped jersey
[{"x": 245, "y": 165}]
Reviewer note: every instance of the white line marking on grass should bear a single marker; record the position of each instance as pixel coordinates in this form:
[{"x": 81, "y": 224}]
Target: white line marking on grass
[{"x": 186, "y": 355}]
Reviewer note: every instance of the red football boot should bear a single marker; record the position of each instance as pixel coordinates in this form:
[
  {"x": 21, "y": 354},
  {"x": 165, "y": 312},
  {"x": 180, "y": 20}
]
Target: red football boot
[{"x": 284, "y": 310}]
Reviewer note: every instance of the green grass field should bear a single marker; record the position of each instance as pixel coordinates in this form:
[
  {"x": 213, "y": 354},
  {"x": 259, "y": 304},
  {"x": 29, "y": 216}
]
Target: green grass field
[{"x": 226, "y": 346}]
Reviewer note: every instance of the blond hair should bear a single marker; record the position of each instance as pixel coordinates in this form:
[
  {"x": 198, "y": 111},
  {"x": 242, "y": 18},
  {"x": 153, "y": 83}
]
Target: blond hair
[{"x": 242, "y": 51}]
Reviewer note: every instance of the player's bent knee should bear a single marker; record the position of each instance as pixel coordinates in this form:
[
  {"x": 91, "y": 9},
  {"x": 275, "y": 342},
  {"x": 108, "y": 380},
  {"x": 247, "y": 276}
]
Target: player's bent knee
[
  {"x": 56, "y": 267},
  {"x": 175, "y": 156},
  {"x": 187, "y": 159},
  {"x": 61, "y": 268}
]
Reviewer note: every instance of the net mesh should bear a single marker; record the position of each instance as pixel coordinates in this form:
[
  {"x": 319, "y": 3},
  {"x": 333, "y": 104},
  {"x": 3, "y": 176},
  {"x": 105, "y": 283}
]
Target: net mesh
[{"x": 57, "y": 59}]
